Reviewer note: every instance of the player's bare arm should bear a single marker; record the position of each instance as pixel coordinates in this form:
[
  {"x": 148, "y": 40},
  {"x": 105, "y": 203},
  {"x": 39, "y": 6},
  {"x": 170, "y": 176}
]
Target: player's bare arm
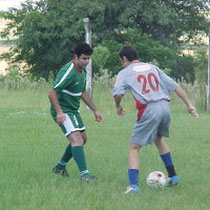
[
  {"x": 191, "y": 109},
  {"x": 52, "y": 95},
  {"x": 86, "y": 98},
  {"x": 118, "y": 99}
]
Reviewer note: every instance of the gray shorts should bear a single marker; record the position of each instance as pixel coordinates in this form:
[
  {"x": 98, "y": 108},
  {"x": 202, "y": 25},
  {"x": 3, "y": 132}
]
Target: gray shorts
[{"x": 154, "y": 123}]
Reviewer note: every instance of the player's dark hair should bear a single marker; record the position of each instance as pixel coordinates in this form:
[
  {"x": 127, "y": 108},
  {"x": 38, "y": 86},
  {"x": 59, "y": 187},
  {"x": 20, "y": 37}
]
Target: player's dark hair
[
  {"x": 129, "y": 52},
  {"x": 83, "y": 48}
]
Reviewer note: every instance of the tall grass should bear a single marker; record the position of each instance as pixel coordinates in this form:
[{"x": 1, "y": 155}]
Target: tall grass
[
  {"x": 196, "y": 93},
  {"x": 31, "y": 143}
]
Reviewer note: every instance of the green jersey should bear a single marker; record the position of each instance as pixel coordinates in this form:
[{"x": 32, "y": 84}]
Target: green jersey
[{"x": 69, "y": 85}]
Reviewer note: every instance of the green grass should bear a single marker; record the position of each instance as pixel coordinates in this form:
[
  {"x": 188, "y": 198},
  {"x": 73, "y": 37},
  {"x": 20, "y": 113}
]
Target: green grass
[{"x": 31, "y": 143}]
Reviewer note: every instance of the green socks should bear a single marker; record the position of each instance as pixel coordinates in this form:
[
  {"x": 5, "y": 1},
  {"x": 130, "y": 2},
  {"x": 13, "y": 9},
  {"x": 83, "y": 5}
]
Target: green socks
[
  {"x": 65, "y": 158},
  {"x": 67, "y": 154},
  {"x": 79, "y": 157}
]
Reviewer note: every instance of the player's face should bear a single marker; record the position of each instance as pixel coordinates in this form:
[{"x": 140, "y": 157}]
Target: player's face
[{"x": 82, "y": 61}]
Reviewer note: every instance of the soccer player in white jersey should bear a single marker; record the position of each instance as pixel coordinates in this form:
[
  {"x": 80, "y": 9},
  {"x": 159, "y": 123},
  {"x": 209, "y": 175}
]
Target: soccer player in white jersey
[
  {"x": 151, "y": 89},
  {"x": 65, "y": 95}
]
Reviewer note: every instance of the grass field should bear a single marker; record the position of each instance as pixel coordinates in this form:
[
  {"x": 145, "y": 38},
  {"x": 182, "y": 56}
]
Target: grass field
[{"x": 31, "y": 143}]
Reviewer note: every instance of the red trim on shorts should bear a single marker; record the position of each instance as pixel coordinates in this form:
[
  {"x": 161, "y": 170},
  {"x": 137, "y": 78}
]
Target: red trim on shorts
[
  {"x": 77, "y": 67},
  {"x": 141, "y": 107}
]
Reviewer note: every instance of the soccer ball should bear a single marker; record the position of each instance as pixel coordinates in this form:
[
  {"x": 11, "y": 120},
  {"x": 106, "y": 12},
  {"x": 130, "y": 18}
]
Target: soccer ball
[{"x": 157, "y": 180}]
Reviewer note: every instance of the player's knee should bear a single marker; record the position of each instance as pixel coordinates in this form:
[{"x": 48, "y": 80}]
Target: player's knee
[
  {"x": 158, "y": 142},
  {"x": 76, "y": 139},
  {"x": 134, "y": 147}
]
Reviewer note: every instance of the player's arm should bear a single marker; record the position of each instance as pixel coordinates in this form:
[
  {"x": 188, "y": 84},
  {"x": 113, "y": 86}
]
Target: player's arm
[
  {"x": 118, "y": 99},
  {"x": 86, "y": 98},
  {"x": 53, "y": 97},
  {"x": 191, "y": 109},
  {"x": 119, "y": 92}
]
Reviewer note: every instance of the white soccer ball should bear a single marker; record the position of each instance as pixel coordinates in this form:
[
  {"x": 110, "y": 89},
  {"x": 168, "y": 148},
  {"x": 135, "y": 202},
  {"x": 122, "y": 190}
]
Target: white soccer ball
[{"x": 157, "y": 180}]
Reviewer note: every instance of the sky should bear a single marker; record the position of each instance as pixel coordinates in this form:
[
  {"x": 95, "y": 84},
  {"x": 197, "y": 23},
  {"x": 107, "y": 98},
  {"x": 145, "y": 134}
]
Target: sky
[{"x": 6, "y": 4}]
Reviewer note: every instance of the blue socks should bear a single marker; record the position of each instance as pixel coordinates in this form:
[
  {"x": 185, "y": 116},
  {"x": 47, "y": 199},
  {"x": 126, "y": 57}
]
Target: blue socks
[
  {"x": 167, "y": 160},
  {"x": 133, "y": 176}
]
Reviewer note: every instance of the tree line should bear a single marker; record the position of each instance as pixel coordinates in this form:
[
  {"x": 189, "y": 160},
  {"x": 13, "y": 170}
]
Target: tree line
[{"x": 48, "y": 31}]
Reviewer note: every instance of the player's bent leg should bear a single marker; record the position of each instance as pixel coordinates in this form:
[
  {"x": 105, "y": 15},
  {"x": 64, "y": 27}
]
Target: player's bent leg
[
  {"x": 167, "y": 160},
  {"x": 161, "y": 146},
  {"x": 72, "y": 123},
  {"x": 78, "y": 154},
  {"x": 60, "y": 167},
  {"x": 75, "y": 139}
]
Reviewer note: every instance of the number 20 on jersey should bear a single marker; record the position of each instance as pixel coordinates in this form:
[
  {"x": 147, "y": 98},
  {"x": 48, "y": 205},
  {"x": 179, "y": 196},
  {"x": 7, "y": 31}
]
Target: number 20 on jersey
[{"x": 149, "y": 83}]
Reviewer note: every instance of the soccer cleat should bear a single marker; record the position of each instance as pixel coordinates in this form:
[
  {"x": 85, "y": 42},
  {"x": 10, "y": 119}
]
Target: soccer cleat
[
  {"x": 87, "y": 178},
  {"x": 63, "y": 172},
  {"x": 132, "y": 189},
  {"x": 174, "y": 180}
]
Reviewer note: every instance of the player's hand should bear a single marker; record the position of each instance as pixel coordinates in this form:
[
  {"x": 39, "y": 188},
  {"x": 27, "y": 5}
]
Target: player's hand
[
  {"x": 60, "y": 118},
  {"x": 192, "y": 111},
  {"x": 120, "y": 111},
  {"x": 98, "y": 116}
]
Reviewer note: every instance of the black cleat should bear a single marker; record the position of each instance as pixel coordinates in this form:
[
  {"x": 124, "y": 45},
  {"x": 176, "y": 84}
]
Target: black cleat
[
  {"x": 87, "y": 178},
  {"x": 62, "y": 172}
]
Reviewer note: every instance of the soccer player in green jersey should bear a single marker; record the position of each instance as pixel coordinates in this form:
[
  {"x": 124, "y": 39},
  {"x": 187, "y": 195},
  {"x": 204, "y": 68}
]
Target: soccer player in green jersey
[{"x": 65, "y": 95}]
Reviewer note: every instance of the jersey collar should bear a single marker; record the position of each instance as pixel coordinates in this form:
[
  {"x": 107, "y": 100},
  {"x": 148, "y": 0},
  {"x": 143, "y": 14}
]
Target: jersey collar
[{"x": 77, "y": 67}]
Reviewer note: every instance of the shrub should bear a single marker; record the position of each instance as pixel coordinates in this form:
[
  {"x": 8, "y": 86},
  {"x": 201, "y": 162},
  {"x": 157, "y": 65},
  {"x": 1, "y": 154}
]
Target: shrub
[
  {"x": 106, "y": 54},
  {"x": 201, "y": 66},
  {"x": 183, "y": 69},
  {"x": 149, "y": 49},
  {"x": 100, "y": 56}
]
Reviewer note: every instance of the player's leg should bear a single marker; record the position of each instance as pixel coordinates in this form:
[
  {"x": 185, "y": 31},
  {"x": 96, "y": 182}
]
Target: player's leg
[
  {"x": 163, "y": 130},
  {"x": 60, "y": 167},
  {"x": 72, "y": 123},
  {"x": 133, "y": 168},
  {"x": 77, "y": 141},
  {"x": 140, "y": 136},
  {"x": 167, "y": 160},
  {"x": 84, "y": 136}
]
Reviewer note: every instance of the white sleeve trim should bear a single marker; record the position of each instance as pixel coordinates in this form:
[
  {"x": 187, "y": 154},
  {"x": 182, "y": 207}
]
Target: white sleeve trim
[{"x": 65, "y": 75}]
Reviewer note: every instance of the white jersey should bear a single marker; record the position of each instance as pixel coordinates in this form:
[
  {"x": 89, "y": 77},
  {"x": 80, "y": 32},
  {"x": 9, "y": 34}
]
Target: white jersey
[{"x": 146, "y": 82}]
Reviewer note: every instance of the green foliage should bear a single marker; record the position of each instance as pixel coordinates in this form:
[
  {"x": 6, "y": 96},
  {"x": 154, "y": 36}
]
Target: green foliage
[
  {"x": 164, "y": 20},
  {"x": 113, "y": 63},
  {"x": 149, "y": 50},
  {"x": 201, "y": 66},
  {"x": 100, "y": 56},
  {"x": 46, "y": 35},
  {"x": 48, "y": 30},
  {"x": 183, "y": 69}
]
